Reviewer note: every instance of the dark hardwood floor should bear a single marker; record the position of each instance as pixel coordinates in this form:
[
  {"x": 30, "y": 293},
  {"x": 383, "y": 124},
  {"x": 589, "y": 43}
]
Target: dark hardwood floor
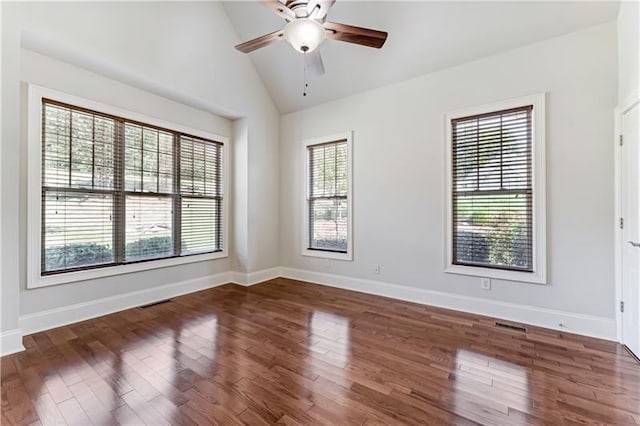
[{"x": 288, "y": 352}]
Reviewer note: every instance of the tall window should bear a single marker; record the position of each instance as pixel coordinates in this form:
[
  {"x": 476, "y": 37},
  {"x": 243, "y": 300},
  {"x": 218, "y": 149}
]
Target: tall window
[
  {"x": 116, "y": 191},
  {"x": 492, "y": 192},
  {"x": 328, "y": 214}
]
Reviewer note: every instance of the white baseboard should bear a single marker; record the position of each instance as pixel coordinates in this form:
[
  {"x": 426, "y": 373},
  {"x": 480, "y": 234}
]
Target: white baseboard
[
  {"x": 604, "y": 328},
  {"x": 11, "y": 342},
  {"x": 46, "y": 320},
  {"x": 587, "y": 325},
  {"x": 252, "y": 278}
]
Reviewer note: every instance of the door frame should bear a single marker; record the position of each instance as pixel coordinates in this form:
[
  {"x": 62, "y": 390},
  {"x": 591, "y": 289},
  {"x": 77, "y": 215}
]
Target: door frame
[{"x": 624, "y": 106}]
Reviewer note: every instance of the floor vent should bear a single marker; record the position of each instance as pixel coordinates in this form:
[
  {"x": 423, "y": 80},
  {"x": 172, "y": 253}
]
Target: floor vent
[
  {"x": 154, "y": 304},
  {"x": 511, "y": 327}
]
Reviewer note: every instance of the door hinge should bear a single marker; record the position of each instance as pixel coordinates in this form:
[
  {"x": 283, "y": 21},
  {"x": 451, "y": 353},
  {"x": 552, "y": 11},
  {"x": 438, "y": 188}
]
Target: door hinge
[
  {"x": 621, "y": 223},
  {"x": 620, "y": 140},
  {"x": 621, "y": 306}
]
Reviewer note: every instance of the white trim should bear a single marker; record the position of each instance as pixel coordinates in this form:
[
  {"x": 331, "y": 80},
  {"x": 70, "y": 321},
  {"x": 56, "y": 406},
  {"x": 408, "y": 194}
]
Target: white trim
[
  {"x": 45, "y": 320},
  {"x": 539, "y": 275},
  {"x": 34, "y": 277},
  {"x": 11, "y": 342},
  {"x": 348, "y": 136},
  {"x": 624, "y": 106},
  {"x": 253, "y": 278},
  {"x": 587, "y": 325}
]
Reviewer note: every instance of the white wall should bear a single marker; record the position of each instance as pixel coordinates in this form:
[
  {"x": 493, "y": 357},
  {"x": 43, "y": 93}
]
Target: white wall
[
  {"x": 143, "y": 57},
  {"x": 398, "y": 151},
  {"x": 628, "y": 49}
]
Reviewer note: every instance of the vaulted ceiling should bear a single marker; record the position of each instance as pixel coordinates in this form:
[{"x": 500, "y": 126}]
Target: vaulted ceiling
[{"x": 423, "y": 37}]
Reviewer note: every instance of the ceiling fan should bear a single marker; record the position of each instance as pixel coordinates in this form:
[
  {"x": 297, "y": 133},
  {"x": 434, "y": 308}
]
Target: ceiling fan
[{"x": 307, "y": 28}]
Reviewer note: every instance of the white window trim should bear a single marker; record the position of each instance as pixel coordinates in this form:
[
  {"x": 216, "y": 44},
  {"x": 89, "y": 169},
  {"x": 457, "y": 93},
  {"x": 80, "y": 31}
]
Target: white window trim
[
  {"x": 539, "y": 274},
  {"x": 348, "y": 136},
  {"x": 34, "y": 135}
]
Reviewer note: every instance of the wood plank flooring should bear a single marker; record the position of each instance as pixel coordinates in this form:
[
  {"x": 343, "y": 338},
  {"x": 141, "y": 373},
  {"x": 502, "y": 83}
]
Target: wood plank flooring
[{"x": 292, "y": 353}]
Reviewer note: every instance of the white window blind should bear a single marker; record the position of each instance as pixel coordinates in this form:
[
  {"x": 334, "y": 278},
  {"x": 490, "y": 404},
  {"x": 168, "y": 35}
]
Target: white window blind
[
  {"x": 78, "y": 188},
  {"x": 201, "y": 195},
  {"x": 148, "y": 198}
]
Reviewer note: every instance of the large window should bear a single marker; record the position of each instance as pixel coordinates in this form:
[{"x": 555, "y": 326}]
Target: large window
[
  {"x": 116, "y": 192},
  {"x": 328, "y": 198},
  {"x": 493, "y": 221}
]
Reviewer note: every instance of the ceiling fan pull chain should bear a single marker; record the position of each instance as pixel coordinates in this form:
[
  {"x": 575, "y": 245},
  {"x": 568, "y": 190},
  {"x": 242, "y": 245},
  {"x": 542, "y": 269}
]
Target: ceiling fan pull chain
[{"x": 306, "y": 84}]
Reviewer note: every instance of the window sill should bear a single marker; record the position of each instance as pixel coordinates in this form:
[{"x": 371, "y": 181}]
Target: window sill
[
  {"x": 327, "y": 254},
  {"x": 38, "y": 281},
  {"x": 526, "y": 277}
]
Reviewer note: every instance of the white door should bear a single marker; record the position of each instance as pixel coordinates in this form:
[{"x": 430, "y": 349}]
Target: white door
[{"x": 630, "y": 199}]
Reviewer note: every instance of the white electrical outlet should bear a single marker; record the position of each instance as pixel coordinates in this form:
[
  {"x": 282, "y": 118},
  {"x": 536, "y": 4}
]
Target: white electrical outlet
[
  {"x": 376, "y": 269},
  {"x": 485, "y": 283}
]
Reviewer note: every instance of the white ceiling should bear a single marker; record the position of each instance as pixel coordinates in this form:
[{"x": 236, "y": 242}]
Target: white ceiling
[{"x": 423, "y": 37}]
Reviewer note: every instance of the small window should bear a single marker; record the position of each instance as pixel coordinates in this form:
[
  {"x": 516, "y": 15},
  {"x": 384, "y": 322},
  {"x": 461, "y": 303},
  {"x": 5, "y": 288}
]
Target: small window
[
  {"x": 495, "y": 206},
  {"x": 327, "y": 218},
  {"x": 116, "y": 193}
]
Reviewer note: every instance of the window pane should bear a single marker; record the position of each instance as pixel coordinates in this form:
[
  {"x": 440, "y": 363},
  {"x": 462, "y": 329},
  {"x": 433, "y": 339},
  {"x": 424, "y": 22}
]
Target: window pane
[
  {"x": 132, "y": 157},
  {"x": 148, "y": 160},
  {"x": 78, "y": 149},
  {"x": 328, "y": 170},
  {"x": 56, "y": 145},
  {"x": 78, "y": 230},
  {"x": 200, "y": 167},
  {"x": 81, "y": 150},
  {"x": 148, "y": 227},
  {"x": 328, "y": 224},
  {"x": 201, "y": 223},
  {"x": 493, "y": 230}
]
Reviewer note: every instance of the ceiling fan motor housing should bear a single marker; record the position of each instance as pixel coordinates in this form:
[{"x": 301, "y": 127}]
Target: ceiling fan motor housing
[{"x": 299, "y": 7}]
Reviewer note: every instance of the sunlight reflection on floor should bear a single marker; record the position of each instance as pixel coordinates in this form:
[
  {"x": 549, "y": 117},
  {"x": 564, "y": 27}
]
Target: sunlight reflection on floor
[
  {"x": 330, "y": 352},
  {"x": 486, "y": 389}
]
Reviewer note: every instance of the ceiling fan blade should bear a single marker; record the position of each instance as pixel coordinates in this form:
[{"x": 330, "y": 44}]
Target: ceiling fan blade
[
  {"x": 314, "y": 62},
  {"x": 317, "y": 9},
  {"x": 280, "y": 9},
  {"x": 356, "y": 35},
  {"x": 257, "y": 43}
]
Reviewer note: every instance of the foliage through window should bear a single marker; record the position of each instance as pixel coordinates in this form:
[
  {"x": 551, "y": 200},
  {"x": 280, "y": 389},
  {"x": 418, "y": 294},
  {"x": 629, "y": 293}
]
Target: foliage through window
[
  {"x": 116, "y": 191},
  {"x": 327, "y": 196},
  {"x": 492, "y": 191}
]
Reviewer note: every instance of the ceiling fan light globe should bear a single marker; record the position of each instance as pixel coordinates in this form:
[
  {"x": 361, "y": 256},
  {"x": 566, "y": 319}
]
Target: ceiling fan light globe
[{"x": 305, "y": 35}]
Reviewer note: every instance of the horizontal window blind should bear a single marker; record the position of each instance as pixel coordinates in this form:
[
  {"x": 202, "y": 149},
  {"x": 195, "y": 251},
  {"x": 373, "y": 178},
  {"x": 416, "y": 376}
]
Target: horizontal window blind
[
  {"x": 78, "y": 188},
  {"x": 148, "y": 170},
  {"x": 112, "y": 191},
  {"x": 201, "y": 221},
  {"x": 148, "y": 160},
  {"x": 149, "y": 224},
  {"x": 327, "y": 196},
  {"x": 78, "y": 229},
  {"x": 492, "y": 191},
  {"x": 201, "y": 195}
]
